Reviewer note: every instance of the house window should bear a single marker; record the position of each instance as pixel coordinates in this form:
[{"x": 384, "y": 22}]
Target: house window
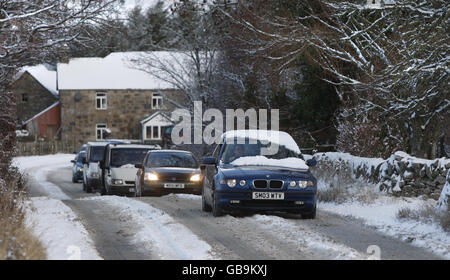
[
  {"x": 100, "y": 101},
  {"x": 24, "y": 97},
  {"x": 153, "y": 132},
  {"x": 100, "y": 130},
  {"x": 157, "y": 101}
]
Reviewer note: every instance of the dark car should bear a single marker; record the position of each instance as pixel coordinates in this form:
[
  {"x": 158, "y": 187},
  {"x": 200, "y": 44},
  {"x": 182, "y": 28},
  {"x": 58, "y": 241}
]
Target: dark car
[
  {"x": 168, "y": 171},
  {"x": 77, "y": 169},
  {"x": 243, "y": 176}
]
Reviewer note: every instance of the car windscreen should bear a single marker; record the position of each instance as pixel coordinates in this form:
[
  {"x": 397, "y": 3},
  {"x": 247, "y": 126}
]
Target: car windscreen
[
  {"x": 168, "y": 159},
  {"x": 96, "y": 153},
  {"x": 233, "y": 151},
  {"x": 124, "y": 156},
  {"x": 80, "y": 157}
]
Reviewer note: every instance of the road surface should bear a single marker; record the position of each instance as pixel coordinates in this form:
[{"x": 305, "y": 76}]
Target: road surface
[{"x": 270, "y": 236}]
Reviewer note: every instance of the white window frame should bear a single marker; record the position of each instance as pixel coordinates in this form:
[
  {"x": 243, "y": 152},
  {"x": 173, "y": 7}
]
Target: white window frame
[
  {"x": 103, "y": 101},
  {"x": 102, "y": 127},
  {"x": 152, "y": 128},
  {"x": 159, "y": 100}
]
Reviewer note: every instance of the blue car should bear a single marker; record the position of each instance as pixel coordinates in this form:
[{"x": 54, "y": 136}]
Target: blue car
[
  {"x": 77, "y": 169},
  {"x": 255, "y": 171}
]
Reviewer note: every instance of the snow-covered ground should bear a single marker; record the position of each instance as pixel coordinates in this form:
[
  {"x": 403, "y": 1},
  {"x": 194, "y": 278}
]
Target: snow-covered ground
[
  {"x": 158, "y": 231},
  {"x": 65, "y": 237},
  {"x": 381, "y": 214},
  {"x": 59, "y": 230}
]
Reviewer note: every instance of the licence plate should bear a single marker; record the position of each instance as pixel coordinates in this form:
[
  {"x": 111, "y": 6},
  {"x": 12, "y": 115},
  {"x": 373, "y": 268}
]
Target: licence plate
[
  {"x": 268, "y": 195},
  {"x": 173, "y": 186}
]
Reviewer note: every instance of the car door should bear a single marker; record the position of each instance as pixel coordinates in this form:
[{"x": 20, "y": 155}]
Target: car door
[{"x": 210, "y": 172}]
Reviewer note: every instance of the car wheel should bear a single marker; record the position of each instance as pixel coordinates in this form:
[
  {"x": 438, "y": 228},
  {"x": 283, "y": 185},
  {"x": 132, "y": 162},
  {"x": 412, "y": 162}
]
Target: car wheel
[
  {"x": 216, "y": 211},
  {"x": 88, "y": 188},
  {"x": 310, "y": 216},
  {"x": 205, "y": 206}
]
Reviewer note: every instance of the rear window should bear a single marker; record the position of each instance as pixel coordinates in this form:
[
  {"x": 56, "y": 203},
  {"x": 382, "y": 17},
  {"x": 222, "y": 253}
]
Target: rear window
[
  {"x": 169, "y": 159},
  {"x": 120, "y": 157},
  {"x": 96, "y": 153}
]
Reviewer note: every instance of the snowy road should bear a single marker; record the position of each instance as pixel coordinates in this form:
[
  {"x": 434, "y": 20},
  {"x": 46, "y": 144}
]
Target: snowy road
[{"x": 174, "y": 227}]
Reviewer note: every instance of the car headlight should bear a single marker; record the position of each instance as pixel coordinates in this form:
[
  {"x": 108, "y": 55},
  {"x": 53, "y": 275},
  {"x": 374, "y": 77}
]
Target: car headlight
[
  {"x": 242, "y": 183},
  {"x": 304, "y": 184},
  {"x": 292, "y": 184},
  {"x": 151, "y": 177},
  {"x": 231, "y": 183},
  {"x": 195, "y": 178},
  {"x": 117, "y": 182},
  {"x": 94, "y": 175},
  {"x": 80, "y": 168}
]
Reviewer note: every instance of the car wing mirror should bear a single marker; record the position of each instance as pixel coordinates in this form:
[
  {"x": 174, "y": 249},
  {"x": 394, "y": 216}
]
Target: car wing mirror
[
  {"x": 72, "y": 161},
  {"x": 311, "y": 162},
  {"x": 209, "y": 161},
  {"x": 138, "y": 166}
]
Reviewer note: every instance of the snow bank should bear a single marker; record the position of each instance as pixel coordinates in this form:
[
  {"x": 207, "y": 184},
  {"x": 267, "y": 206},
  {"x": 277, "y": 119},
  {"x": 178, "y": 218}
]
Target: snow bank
[
  {"x": 296, "y": 163},
  {"x": 400, "y": 173},
  {"x": 58, "y": 228},
  {"x": 381, "y": 214},
  {"x": 159, "y": 231}
]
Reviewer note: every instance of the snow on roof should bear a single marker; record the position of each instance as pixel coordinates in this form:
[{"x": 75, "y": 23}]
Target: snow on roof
[
  {"x": 43, "y": 74},
  {"x": 277, "y": 137},
  {"x": 113, "y": 72},
  {"x": 163, "y": 118},
  {"x": 42, "y": 112}
]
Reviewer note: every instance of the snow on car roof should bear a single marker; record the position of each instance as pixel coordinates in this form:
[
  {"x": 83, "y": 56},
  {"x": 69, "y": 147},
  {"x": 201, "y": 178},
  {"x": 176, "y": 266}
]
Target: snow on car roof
[
  {"x": 278, "y": 137},
  {"x": 115, "y": 72}
]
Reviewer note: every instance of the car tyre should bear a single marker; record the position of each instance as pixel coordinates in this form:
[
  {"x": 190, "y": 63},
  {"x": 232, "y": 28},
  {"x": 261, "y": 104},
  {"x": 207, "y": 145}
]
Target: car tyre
[
  {"x": 216, "y": 210},
  {"x": 205, "y": 206},
  {"x": 309, "y": 216},
  {"x": 88, "y": 188}
]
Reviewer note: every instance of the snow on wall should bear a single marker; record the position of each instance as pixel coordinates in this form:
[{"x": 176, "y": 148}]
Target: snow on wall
[{"x": 400, "y": 174}]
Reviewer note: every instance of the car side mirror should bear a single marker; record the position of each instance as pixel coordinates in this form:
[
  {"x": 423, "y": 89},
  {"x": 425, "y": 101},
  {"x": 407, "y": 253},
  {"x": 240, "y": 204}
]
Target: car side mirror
[
  {"x": 72, "y": 161},
  {"x": 311, "y": 162},
  {"x": 209, "y": 160},
  {"x": 138, "y": 166}
]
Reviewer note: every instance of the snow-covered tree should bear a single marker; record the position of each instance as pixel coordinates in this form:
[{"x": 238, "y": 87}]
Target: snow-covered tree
[{"x": 389, "y": 64}]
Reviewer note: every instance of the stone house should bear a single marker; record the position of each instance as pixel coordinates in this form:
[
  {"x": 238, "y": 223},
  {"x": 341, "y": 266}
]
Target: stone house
[
  {"x": 107, "y": 98},
  {"x": 37, "y": 100}
]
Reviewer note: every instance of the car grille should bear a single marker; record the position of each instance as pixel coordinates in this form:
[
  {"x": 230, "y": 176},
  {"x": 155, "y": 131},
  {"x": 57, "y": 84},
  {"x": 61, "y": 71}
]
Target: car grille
[
  {"x": 129, "y": 182},
  {"x": 273, "y": 184},
  {"x": 175, "y": 178}
]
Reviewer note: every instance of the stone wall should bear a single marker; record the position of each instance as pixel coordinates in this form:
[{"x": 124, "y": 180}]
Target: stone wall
[
  {"x": 401, "y": 174},
  {"x": 39, "y": 98},
  {"x": 125, "y": 109}
]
